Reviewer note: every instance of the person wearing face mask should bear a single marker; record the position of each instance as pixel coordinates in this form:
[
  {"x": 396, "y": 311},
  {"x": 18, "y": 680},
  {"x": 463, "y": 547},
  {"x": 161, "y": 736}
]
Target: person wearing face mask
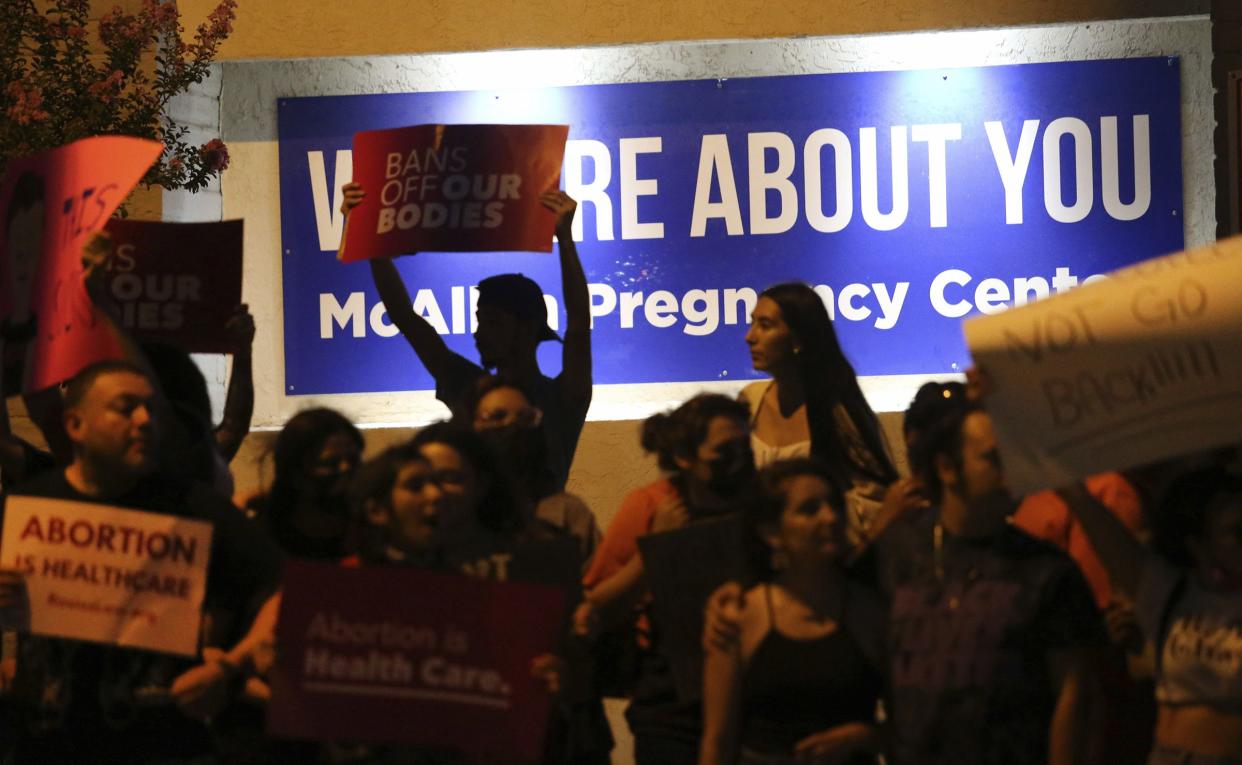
[
  {"x": 813, "y": 406},
  {"x": 1187, "y": 593},
  {"x": 306, "y": 508},
  {"x": 703, "y": 446},
  {"x": 504, "y": 415}
]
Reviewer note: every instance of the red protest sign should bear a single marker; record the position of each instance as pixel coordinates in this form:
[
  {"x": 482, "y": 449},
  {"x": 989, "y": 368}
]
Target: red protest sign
[
  {"x": 454, "y": 188},
  {"x": 177, "y": 282},
  {"x": 53, "y": 202},
  {"x": 445, "y": 665}
]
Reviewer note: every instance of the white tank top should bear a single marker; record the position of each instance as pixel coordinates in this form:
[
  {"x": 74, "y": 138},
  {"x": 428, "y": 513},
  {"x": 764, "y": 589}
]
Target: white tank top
[{"x": 765, "y": 454}]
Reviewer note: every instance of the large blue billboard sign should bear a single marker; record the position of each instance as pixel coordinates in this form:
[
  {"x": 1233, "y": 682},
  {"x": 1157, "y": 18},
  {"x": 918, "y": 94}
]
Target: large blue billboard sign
[{"x": 909, "y": 199}]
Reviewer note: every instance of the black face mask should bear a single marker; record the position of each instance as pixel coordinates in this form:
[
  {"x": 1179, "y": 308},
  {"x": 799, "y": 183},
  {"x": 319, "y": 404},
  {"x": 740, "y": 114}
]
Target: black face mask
[
  {"x": 516, "y": 447},
  {"x": 732, "y": 470},
  {"x": 328, "y": 493}
]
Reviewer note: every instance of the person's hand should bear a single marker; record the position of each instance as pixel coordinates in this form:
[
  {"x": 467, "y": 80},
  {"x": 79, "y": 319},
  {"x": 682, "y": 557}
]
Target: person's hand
[
  {"x": 256, "y": 692},
  {"x": 669, "y": 515},
  {"x": 203, "y": 691},
  {"x": 1123, "y": 627},
  {"x": 240, "y": 328},
  {"x": 263, "y": 657},
  {"x": 722, "y": 617},
  {"x": 835, "y": 745},
  {"x": 14, "y": 600},
  {"x": 586, "y": 623},
  {"x": 903, "y": 495},
  {"x": 351, "y": 195},
  {"x": 550, "y": 670},
  {"x": 97, "y": 254},
  {"x": 562, "y": 206}
]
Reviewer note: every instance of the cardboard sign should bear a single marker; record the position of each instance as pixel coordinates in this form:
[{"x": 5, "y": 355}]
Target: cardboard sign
[
  {"x": 177, "y": 282},
  {"x": 1141, "y": 366},
  {"x": 53, "y": 202},
  {"x": 109, "y": 575},
  {"x": 446, "y": 664},
  {"x": 683, "y": 567},
  {"x": 456, "y": 188}
]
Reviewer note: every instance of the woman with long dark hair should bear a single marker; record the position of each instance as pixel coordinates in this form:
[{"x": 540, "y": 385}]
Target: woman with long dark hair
[
  {"x": 813, "y": 405},
  {"x": 307, "y": 509}
]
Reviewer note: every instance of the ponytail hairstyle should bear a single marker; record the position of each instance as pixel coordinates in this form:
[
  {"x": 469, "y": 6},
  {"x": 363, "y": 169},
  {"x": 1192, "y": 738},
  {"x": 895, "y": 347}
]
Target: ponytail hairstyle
[
  {"x": 942, "y": 438},
  {"x": 679, "y": 433},
  {"x": 829, "y": 380}
]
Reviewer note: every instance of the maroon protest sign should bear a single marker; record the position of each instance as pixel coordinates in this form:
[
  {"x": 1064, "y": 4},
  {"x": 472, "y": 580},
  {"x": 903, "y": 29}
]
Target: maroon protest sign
[
  {"x": 52, "y": 203},
  {"x": 398, "y": 655},
  {"x": 454, "y": 188},
  {"x": 177, "y": 282}
]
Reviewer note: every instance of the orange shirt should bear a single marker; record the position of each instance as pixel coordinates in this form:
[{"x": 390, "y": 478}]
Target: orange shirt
[
  {"x": 1046, "y": 516},
  {"x": 633, "y": 520}
]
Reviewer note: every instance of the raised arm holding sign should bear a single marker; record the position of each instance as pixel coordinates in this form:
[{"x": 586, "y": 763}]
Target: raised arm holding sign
[
  {"x": 74, "y": 189},
  {"x": 177, "y": 282},
  {"x": 512, "y": 322}
]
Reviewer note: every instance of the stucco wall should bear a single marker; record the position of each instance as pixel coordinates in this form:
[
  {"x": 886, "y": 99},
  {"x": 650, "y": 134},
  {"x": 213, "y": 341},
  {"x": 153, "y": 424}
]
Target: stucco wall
[{"x": 315, "y": 28}]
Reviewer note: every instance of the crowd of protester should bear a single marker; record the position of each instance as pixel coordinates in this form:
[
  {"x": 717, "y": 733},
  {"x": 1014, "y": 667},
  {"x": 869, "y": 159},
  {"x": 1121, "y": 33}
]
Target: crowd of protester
[{"x": 925, "y": 617}]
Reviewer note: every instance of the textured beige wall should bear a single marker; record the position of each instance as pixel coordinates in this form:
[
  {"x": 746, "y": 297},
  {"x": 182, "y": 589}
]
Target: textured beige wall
[{"x": 275, "y": 29}]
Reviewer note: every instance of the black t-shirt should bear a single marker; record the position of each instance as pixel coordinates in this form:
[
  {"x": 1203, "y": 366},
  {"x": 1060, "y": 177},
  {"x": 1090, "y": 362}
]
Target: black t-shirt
[
  {"x": 85, "y": 702},
  {"x": 291, "y": 540},
  {"x": 970, "y": 633}
]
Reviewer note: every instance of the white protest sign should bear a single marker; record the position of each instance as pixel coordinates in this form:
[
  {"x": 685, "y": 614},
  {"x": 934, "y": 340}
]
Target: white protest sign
[
  {"x": 1141, "y": 366},
  {"x": 109, "y": 575}
]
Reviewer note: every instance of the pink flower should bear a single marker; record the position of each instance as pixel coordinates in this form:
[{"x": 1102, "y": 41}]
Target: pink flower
[
  {"x": 77, "y": 32},
  {"x": 108, "y": 87},
  {"x": 175, "y": 165},
  {"x": 215, "y": 155},
  {"x": 26, "y": 104},
  {"x": 161, "y": 13},
  {"x": 110, "y": 24}
]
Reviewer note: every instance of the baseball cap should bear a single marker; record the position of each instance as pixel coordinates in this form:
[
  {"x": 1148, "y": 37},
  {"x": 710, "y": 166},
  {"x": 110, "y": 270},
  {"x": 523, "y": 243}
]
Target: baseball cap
[{"x": 518, "y": 295}]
